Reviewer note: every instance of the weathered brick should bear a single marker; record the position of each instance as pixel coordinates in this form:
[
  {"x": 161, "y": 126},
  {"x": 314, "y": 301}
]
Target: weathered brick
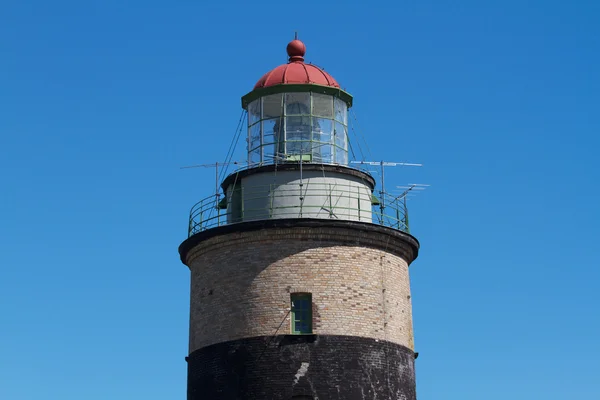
[{"x": 241, "y": 284}]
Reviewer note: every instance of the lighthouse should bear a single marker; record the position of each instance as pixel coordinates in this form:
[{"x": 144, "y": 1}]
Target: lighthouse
[{"x": 299, "y": 276}]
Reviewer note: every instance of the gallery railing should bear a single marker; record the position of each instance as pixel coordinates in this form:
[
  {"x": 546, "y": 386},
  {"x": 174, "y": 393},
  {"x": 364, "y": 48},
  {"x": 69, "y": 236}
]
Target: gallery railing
[{"x": 328, "y": 201}]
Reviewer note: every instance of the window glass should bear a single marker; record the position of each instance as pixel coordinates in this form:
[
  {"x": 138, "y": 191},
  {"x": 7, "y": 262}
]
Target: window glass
[
  {"x": 322, "y": 129},
  {"x": 340, "y": 141},
  {"x": 269, "y": 151},
  {"x": 322, "y": 153},
  {"x": 254, "y": 136},
  {"x": 297, "y": 103},
  {"x": 340, "y": 135},
  {"x": 341, "y": 156},
  {"x": 297, "y": 135},
  {"x": 271, "y": 139},
  {"x": 273, "y": 105},
  {"x": 341, "y": 111},
  {"x": 311, "y": 127},
  {"x": 254, "y": 112},
  {"x": 322, "y": 105},
  {"x": 255, "y": 156},
  {"x": 301, "y": 313},
  {"x": 270, "y": 128}
]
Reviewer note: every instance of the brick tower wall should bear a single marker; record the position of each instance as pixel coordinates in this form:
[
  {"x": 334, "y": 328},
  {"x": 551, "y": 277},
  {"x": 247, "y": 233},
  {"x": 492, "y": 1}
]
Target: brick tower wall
[{"x": 242, "y": 279}]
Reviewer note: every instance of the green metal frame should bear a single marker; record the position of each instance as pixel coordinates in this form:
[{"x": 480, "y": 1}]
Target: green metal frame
[
  {"x": 292, "y": 88},
  {"x": 298, "y": 157},
  {"x": 301, "y": 313}
]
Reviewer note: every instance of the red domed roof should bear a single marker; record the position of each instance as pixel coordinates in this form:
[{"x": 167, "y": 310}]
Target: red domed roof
[{"x": 296, "y": 71}]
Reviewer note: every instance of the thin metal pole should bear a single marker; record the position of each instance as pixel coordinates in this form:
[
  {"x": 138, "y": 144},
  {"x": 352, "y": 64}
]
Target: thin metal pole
[
  {"x": 242, "y": 189},
  {"x": 217, "y": 194},
  {"x": 382, "y": 203},
  {"x": 301, "y": 184},
  {"x": 330, "y": 203},
  {"x": 406, "y": 217},
  {"x": 358, "y": 189},
  {"x": 272, "y": 194}
]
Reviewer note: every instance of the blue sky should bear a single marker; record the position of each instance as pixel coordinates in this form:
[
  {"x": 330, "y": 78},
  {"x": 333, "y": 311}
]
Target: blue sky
[{"x": 102, "y": 101}]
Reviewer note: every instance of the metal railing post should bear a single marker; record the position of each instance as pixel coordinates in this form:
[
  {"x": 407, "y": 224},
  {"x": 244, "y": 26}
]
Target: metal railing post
[
  {"x": 242, "y": 196},
  {"x": 330, "y": 203},
  {"x": 218, "y": 209},
  {"x": 301, "y": 197},
  {"x": 272, "y": 194},
  {"x": 358, "y": 191}
]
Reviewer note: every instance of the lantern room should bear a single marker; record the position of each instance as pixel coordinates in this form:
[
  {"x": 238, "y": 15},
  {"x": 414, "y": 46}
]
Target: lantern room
[
  {"x": 298, "y": 157},
  {"x": 297, "y": 113}
]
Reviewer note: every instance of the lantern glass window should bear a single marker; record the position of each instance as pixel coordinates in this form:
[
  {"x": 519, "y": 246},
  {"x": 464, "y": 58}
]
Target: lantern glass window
[
  {"x": 322, "y": 105},
  {"x": 254, "y": 112},
  {"x": 272, "y": 106},
  {"x": 297, "y": 127},
  {"x": 254, "y": 136},
  {"x": 341, "y": 111}
]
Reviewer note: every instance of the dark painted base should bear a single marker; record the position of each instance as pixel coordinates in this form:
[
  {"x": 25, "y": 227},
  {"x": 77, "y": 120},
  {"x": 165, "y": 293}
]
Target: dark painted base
[{"x": 307, "y": 366}]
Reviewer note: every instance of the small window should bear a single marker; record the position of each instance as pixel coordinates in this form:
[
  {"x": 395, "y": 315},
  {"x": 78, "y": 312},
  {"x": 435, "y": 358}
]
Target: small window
[{"x": 301, "y": 312}]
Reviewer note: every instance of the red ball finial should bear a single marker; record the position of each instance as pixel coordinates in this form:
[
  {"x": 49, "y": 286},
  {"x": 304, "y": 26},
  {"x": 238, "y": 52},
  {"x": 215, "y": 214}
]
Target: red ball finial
[{"x": 296, "y": 50}]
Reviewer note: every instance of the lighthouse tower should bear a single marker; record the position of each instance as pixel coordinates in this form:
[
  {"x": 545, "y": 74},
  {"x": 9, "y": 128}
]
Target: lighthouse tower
[{"x": 299, "y": 275}]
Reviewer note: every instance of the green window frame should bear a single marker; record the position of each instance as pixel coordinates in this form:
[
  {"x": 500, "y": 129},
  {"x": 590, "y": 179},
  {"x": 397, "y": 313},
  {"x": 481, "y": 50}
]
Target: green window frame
[{"x": 301, "y": 313}]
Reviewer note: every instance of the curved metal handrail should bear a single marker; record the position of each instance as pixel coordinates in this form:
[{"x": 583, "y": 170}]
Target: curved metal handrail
[{"x": 213, "y": 211}]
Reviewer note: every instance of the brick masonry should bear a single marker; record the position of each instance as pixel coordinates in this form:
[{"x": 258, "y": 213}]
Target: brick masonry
[
  {"x": 302, "y": 367},
  {"x": 357, "y": 274}
]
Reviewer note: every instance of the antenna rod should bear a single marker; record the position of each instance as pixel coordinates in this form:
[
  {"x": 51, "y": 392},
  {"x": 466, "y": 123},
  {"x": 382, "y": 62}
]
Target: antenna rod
[
  {"x": 216, "y": 167},
  {"x": 384, "y": 164}
]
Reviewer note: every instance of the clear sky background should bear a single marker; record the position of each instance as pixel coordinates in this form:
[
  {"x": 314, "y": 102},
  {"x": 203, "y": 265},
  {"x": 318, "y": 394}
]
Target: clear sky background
[{"x": 101, "y": 102}]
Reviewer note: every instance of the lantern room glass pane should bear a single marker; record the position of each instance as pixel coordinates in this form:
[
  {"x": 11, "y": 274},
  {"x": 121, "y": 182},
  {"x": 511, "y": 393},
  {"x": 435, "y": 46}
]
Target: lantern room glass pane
[
  {"x": 340, "y": 141},
  {"x": 341, "y": 111},
  {"x": 322, "y": 105},
  {"x": 254, "y": 136},
  {"x": 340, "y": 135},
  {"x": 298, "y": 135},
  {"x": 322, "y": 129},
  {"x": 323, "y": 153},
  {"x": 268, "y": 136},
  {"x": 341, "y": 156},
  {"x": 273, "y": 106},
  {"x": 298, "y": 126},
  {"x": 297, "y": 103},
  {"x": 322, "y": 140},
  {"x": 254, "y": 112},
  {"x": 255, "y": 156},
  {"x": 271, "y": 138},
  {"x": 270, "y": 129}
]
